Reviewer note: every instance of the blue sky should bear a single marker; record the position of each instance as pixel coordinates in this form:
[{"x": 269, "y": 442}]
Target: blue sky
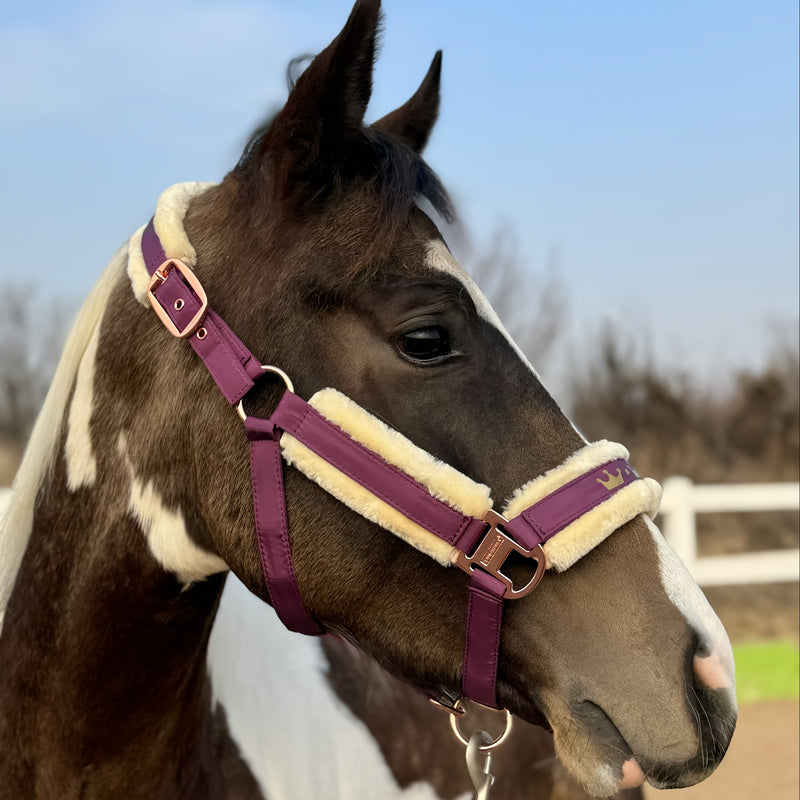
[{"x": 648, "y": 149}]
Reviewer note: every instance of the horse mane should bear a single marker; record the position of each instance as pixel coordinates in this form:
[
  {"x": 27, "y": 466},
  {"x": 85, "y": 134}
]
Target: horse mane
[{"x": 16, "y": 523}]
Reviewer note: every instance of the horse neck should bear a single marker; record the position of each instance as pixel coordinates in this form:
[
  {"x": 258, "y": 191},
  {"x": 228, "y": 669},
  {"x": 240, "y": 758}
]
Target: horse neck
[{"x": 102, "y": 652}]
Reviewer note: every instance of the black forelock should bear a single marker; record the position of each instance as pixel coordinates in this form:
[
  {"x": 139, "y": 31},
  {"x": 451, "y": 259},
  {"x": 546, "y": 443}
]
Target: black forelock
[{"x": 399, "y": 176}]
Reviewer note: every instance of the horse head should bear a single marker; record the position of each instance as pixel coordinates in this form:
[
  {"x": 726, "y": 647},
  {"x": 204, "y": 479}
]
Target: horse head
[{"x": 320, "y": 252}]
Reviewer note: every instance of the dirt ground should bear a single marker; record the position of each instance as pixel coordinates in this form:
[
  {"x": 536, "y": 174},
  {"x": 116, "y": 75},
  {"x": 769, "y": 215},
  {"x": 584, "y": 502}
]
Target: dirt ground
[{"x": 762, "y": 762}]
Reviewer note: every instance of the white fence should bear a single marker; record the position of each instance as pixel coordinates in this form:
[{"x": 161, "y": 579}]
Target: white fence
[{"x": 683, "y": 500}]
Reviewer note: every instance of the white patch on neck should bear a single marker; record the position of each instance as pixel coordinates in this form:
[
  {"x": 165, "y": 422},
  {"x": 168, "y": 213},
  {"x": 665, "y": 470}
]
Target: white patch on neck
[
  {"x": 165, "y": 530},
  {"x": 16, "y": 523},
  {"x": 295, "y": 734},
  {"x": 688, "y": 598},
  {"x": 81, "y": 463}
]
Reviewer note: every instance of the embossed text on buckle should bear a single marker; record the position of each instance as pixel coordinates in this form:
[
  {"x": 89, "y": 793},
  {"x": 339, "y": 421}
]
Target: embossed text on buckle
[
  {"x": 492, "y": 552},
  {"x": 159, "y": 276}
]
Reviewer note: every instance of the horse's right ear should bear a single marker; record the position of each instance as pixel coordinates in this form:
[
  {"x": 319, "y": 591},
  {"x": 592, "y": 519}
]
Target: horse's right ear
[
  {"x": 413, "y": 122},
  {"x": 325, "y": 109}
]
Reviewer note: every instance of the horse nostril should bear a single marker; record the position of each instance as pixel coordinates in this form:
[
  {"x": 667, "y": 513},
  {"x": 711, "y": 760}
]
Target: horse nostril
[
  {"x": 713, "y": 701},
  {"x": 713, "y": 670},
  {"x": 632, "y": 774}
]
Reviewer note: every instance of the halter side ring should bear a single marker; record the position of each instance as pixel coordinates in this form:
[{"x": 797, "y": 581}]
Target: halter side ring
[
  {"x": 484, "y": 748},
  {"x": 276, "y": 371}
]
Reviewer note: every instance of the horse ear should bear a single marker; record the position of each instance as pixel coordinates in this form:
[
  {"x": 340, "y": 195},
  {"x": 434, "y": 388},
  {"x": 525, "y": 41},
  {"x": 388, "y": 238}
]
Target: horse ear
[
  {"x": 326, "y": 107},
  {"x": 413, "y": 122}
]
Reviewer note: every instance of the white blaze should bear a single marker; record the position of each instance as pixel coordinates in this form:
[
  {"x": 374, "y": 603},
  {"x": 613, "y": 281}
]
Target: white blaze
[
  {"x": 687, "y": 597},
  {"x": 442, "y": 260}
]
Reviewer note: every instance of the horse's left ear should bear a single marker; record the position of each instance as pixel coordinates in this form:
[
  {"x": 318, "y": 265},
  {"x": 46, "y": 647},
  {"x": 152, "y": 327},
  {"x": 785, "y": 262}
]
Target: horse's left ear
[
  {"x": 311, "y": 136},
  {"x": 413, "y": 122}
]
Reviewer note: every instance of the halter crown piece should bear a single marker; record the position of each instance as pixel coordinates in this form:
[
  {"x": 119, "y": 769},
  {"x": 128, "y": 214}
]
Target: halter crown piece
[{"x": 553, "y": 520}]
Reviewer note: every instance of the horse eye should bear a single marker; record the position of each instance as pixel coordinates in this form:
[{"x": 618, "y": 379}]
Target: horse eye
[{"x": 425, "y": 344}]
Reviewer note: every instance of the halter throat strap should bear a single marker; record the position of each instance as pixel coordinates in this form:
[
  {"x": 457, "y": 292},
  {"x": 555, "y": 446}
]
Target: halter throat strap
[{"x": 480, "y": 545}]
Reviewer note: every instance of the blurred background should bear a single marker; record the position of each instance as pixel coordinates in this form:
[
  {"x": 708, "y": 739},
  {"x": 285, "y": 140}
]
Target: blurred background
[{"x": 627, "y": 180}]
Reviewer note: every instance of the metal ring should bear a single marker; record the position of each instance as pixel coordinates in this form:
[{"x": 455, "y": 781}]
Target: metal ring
[
  {"x": 276, "y": 371},
  {"x": 484, "y": 748}
]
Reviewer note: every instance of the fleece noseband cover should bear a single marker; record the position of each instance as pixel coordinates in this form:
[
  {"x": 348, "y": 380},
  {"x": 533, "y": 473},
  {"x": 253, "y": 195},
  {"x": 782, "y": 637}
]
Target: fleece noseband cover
[{"x": 462, "y": 493}]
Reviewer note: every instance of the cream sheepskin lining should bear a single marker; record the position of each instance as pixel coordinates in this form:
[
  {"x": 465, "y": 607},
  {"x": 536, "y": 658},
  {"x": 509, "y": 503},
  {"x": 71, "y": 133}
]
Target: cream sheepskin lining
[
  {"x": 442, "y": 481},
  {"x": 583, "y": 535},
  {"x": 168, "y": 220},
  {"x": 457, "y": 490},
  {"x": 586, "y": 532},
  {"x": 579, "y": 463}
]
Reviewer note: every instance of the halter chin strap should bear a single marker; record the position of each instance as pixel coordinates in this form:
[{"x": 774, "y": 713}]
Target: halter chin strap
[{"x": 386, "y": 478}]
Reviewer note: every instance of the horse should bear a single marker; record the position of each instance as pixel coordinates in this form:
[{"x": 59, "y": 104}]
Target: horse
[{"x": 384, "y": 366}]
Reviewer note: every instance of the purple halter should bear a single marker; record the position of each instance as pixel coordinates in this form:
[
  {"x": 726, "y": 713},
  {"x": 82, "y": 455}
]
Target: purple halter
[{"x": 483, "y": 544}]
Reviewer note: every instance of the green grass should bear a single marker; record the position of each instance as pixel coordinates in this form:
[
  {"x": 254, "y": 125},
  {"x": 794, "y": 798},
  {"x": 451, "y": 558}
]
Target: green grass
[{"x": 767, "y": 671}]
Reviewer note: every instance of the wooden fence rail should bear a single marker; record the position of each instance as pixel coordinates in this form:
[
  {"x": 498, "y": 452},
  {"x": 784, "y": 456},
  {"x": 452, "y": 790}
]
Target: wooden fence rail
[{"x": 683, "y": 500}]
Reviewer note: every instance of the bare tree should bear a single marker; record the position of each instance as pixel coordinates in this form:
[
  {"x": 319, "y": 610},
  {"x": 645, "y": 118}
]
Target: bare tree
[
  {"x": 531, "y": 304},
  {"x": 744, "y": 429},
  {"x": 32, "y": 331}
]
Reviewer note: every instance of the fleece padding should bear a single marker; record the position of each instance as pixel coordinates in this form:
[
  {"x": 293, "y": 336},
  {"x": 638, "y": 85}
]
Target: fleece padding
[
  {"x": 442, "y": 481},
  {"x": 586, "y": 532},
  {"x": 453, "y": 487},
  {"x": 168, "y": 221}
]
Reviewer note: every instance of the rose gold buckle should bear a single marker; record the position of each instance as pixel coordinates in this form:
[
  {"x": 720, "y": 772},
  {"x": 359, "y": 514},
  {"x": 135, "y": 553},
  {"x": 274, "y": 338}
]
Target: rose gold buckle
[
  {"x": 492, "y": 552},
  {"x": 159, "y": 276}
]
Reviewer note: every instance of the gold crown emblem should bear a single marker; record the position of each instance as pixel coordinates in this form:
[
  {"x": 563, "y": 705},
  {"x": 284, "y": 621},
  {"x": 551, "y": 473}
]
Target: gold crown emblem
[{"x": 613, "y": 480}]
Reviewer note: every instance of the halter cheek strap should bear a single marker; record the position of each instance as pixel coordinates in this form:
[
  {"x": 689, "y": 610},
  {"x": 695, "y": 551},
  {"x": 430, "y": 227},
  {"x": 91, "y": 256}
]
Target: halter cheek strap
[
  {"x": 182, "y": 305},
  {"x": 397, "y": 485},
  {"x": 272, "y": 528}
]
